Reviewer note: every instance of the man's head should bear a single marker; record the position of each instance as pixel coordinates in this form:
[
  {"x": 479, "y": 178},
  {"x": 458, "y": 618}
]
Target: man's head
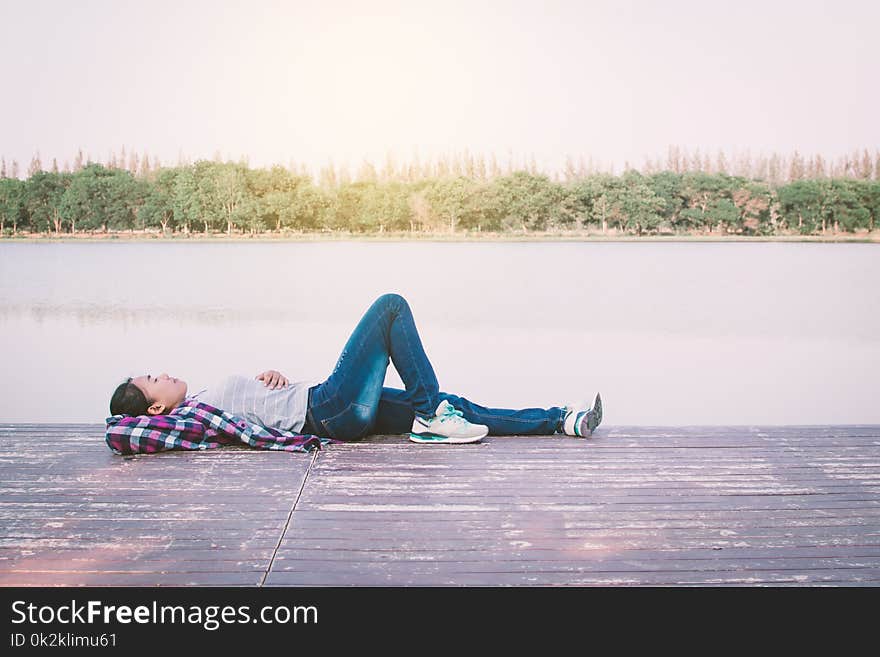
[{"x": 147, "y": 395}]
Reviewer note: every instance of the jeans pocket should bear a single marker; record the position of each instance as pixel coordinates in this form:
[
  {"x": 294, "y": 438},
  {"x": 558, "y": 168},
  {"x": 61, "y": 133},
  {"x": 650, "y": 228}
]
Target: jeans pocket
[{"x": 352, "y": 423}]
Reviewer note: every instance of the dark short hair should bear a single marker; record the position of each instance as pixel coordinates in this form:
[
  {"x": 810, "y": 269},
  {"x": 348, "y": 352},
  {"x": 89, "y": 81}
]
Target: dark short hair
[{"x": 128, "y": 399}]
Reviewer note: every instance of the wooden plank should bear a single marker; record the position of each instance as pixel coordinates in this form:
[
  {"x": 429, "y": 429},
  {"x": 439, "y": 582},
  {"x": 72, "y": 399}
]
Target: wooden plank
[
  {"x": 635, "y": 505},
  {"x": 599, "y": 502},
  {"x": 489, "y": 541},
  {"x": 505, "y": 514},
  {"x": 403, "y": 568},
  {"x": 518, "y": 555},
  {"x": 126, "y": 578},
  {"x": 380, "y": 577},
  {"x": 578, "y": 516},
  {"x": 61, "y": 537},
  {"x": 171, "y": 564},
  {"x": 772, "y": 504},
  {"x": 72, "y": 513}
]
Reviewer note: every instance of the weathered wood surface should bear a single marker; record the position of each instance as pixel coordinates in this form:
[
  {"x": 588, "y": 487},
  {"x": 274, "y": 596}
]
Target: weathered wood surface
[
  {"x": 72, "y": 513},
  {"x": 633, "y": 506}
]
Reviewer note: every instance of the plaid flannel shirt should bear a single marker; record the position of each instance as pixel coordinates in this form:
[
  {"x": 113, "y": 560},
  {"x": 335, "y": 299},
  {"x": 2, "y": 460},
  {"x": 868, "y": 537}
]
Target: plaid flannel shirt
[{"x": 197, "y": 425}]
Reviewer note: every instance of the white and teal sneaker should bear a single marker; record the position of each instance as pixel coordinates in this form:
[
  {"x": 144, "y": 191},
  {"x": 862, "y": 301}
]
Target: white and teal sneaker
[
  {"x": 447, "y": 426},
  {"x": 580, "y": 421}
]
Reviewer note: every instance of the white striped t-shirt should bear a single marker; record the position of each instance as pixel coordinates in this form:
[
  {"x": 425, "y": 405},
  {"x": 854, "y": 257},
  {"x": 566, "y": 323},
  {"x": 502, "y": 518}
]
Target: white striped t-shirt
[{"x": 282, "y": 408}]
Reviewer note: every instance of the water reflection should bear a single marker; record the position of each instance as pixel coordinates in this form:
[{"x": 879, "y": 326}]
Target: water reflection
[
  {"x": 93, "y": 314},
  {"x": 670, "y": 333}
]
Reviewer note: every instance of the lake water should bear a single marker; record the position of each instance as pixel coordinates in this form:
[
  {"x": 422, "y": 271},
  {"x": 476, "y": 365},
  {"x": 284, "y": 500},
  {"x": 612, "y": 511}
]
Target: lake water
[{"x": 670, "y": 333}]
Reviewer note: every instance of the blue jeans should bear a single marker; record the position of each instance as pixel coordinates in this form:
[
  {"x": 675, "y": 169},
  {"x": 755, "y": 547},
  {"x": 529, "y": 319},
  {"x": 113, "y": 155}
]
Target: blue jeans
[{"x": 353, "y": 403}]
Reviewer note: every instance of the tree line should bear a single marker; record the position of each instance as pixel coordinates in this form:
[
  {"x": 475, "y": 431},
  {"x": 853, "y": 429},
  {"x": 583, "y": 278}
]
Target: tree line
[{"x": 686, "y": 194}]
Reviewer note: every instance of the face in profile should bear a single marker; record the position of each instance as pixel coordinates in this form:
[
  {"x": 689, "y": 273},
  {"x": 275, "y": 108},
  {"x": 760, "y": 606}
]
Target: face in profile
[{"x": 163, "y": 391}]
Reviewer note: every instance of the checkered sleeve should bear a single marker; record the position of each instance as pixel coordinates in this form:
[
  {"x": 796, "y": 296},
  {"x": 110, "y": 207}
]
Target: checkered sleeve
[
  {"x": 219, "y": 422},
  {"x": 197, "y": 425},
  {"x": 145, "y": 434}
]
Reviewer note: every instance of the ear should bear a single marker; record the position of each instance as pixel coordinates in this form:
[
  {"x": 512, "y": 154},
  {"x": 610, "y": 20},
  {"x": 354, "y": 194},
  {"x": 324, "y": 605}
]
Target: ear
[{"x": 156, "y": 409}]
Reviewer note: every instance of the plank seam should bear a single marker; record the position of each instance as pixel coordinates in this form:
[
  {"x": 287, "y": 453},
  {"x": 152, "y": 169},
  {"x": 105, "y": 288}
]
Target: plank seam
[{"x": 289, "y": 516}]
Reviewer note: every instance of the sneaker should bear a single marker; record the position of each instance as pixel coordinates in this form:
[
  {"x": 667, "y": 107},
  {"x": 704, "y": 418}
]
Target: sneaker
[
  {"x": 447, "y": 426},
  {"x": 583, "y": 422}
]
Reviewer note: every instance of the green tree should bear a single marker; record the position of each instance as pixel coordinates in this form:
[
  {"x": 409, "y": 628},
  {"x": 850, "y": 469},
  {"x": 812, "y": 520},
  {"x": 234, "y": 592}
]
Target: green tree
[
  {"x": 12, "y": 207},
  {"x": 458, "y": 203},
  {"x": 101, "y": 197},
  {"x": 844, "y": 206},
  {"x": 450, "y": 201},
  {"x": 158, "y": 207},
  {"x": 83, "y": 202},
  {"x": 702, "y": 193},
  {"x": 667, "y": 185},
  {"x": 529, "y": 201},
  {"x": 596, "y": 197},
  {"x": 185, "y": 199},
  {"x": 570, "y": 212},
  {"x": 327, "y": 206},
  {"x": 285, "y": 199},
  {"x": 42, "y": 198},
  {"x": 752, "y": 200},
  {"x": 344, "y": 210},
  {"x": 197, "y": 198},
  {"x": 125, "y": 196},
  {"x": 290, "y": 209},
  {"x": 237, "y": 205},
  {"x": 638, "y": 204},
  {"x": 868, "y": 192},
  {"x": 724, "y": 214},
  {"x": 801, "y": 205},
  {"x": 386, "y": 205}
]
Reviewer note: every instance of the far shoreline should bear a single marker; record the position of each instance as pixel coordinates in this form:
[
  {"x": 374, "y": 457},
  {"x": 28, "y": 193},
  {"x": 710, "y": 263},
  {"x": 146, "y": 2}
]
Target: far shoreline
[{"x": 346, "y": 236}]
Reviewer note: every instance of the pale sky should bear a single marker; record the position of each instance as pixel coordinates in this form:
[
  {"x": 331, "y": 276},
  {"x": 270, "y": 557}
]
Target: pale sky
[{"x": 343, "y": 80}]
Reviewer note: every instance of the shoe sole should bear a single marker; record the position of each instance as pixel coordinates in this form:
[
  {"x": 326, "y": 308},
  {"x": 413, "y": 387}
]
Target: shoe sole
[
  {"x": 443, "y": 440},
  {"x": 594, "y": 416},
  {"x": 597, "y": 414}
]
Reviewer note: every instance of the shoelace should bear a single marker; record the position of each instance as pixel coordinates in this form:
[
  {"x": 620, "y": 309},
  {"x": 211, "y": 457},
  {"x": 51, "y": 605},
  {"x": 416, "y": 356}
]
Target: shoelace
[{"x": 450, "y": 413}]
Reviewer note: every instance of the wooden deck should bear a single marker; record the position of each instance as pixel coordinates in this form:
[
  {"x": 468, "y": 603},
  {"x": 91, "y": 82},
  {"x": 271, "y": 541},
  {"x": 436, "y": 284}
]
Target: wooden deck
[{"x": 632, "y": 506}]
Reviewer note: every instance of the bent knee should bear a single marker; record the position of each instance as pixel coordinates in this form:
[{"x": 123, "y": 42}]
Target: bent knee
[
  {"x": 362, "y": 415},
  {"x": 392, "y": 298},
  {"x": 362, "y": 419},
  {"x": 352, "y": 423}
]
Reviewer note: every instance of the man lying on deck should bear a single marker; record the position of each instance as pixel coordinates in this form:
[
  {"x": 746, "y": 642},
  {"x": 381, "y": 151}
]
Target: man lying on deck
[{"x": 350, "y": 404}]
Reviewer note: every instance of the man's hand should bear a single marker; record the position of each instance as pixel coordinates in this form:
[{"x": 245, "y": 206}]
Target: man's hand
[{"x": 273, "y": 379}]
